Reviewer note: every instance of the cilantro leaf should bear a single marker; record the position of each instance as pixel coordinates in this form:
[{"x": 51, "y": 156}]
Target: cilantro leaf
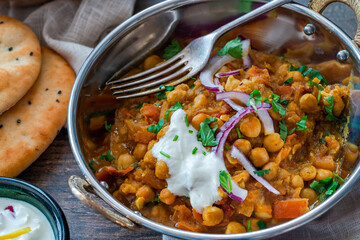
[
  {"x": 108, "y": 157},
  {"x": 261, "y": 224},
  {"x": 136, "y": 165},
  {"x": 233, "y": 48},
  {"x": 301, "y": 125},
  {"x": 283, "y": 130},
  {"x": 318, "y": 187},
  {"x": 171, "y": 50},
  {"x": 225, "y": 181},
  {"x": 172, "y": 108},
  {"x": 285, "y": 103},
  {"x": 301, "y": 69},
  {"x": 288, "y": 81},
  {"x": 332, "y": 188},
  {"x": 261, "y": 173},
  {"x": 139, "y": 106},
  {"x": 162, "y": 94},
  {"x": 329, "y": 108},
  {"x": 156, "y": 128},
  {"x": 91, "y": 166},
  {"x": 154, "y": 201},
  {"x": 207, "y": 135},
  {"x": 311, "y": 73},
  {"x": 255, "y": 98},
  {"x": 329, "y": 184},
  {"x": 107, "y": 126},
  {"x": 276, "y": 107},
  {"x": 312, "y": 84},
  {"x": 339, "y": 178}
]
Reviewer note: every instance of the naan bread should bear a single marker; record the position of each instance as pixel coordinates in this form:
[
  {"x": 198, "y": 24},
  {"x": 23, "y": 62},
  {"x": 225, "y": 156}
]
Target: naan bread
[
  {"x": 28, "y": 128},
  {"x": 20, "y": 61}
]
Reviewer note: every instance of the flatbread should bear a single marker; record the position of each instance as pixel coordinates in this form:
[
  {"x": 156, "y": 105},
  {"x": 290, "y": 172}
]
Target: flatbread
[
  {"x": 28, "y": 128},
  {"x": 20, "y": 61}
]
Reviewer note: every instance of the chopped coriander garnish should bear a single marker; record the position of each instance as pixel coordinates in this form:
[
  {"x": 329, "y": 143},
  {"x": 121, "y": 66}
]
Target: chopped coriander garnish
[
  {"x": 283, "y": 130},
  {"x": 315, "y": 185},
  {"x": 136, "y": 165},
  {"x": 225, "y": 181},
  {"x": 238, "y": 133},
  {"x": 192, "y": 86},
  {"x": 301, "y": 125},
  {"x": 186, "y": 121},
  {"x": 301, "y": 69},
  {"x": 194, "y": 150},
  {"x": 193, "y": 78},
  {"x": 162, "y": 94},
  {"x": 165, "y": 154},
  {"x": 107, "y": 126},
  {"x": 255, "y": 98},
  {"x": 204, "y": 153},
  {"x": 207, "y": 135},
  {"x": 288, "y": 81},
  {"x": 191, "y": 131},
  {"x": 285, "y": 103},
  {"x": 154, "y": 201},
  {"x": 339, "y": 178},
  {"x": 227, "y": 147},
  {"x": 282, "y": 58},
  {"x": 276, "y": 107},
  {"x": 325, "y": 134},
  {"x": 91, "y": 166},
  {"x": 319, "y": 87},
  {"x": 329, "y": 108},
  {"x": 261, "y": 224},
  {"x": 139, "y": 106},
  {"x": 249, "y": 226},
  {"x": 233, "y": 48},
  {"x": 156, "y": 128},
  {"x": 157, "y": 104},
  {"x": 171, "y": 50},
  {"x": 108, "y": 157},
  {"x": 175, "y": 138},
  {"x": 261, "y": 173},
  {"x": 172, "y": 108},
  {"x": 329, "y": 184},
  {"x": 311, "y": 73}
]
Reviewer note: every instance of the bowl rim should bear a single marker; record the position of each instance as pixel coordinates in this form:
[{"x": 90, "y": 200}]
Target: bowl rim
[
  {"x": 55, "y": 209},
  {"x": 107, "y": 197}
]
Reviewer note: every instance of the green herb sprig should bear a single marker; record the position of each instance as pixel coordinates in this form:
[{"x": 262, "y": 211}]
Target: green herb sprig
[
  {"x": 155, "y": 128},
  {"x": 172, "y": 108},
  {"x": 233, "y": 48},
  {"x": 171, "y": 50},
  {"x": 207, "y": 135},
  {"x": 108, "y": 157}
]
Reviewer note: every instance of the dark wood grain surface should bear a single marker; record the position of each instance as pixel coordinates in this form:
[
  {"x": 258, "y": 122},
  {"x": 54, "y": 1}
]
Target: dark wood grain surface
[{"x": 51, "y": 171}]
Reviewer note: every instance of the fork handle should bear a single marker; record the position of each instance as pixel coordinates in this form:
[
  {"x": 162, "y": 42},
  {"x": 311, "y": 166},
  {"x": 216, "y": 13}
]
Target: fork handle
[{"x": 248, "y": 16}]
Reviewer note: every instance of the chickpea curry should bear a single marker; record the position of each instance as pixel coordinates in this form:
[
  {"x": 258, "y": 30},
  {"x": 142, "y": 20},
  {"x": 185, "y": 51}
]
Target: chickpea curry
[{"x": 244, "y": 146}]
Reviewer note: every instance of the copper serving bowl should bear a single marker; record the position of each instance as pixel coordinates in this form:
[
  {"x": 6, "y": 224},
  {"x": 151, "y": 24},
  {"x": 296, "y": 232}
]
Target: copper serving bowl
[{"x": 276, "y": 32}]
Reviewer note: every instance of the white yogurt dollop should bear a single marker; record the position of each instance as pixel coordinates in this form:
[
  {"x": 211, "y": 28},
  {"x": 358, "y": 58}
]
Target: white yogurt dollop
[
  {"x": 193, "y": 175},
  {"x": 16, "y": 215}
]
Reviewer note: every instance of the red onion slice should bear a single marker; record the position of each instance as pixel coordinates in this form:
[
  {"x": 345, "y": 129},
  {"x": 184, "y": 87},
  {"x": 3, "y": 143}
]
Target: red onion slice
[
  {"x": 227, "y": 74},
  {"x": 229, "y": 124},
  {"x": 215, "y": 63},
  {"x": 237, "y": 193},
  {"x": 244, "y": 98},
  {"x": 236, "y": 153}
]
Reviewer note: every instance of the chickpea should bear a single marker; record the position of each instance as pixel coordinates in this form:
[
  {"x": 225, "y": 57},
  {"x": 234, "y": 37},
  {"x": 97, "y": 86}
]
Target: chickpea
[
  {"x": 297, "y": 182},
  {"x": 283, "y": 69},
  {"x": 200, "y": 101},
  {"x": 161, "y": 170},
  {"x": 251, "y": 127},
  {"x": 274, "y": 170},
  {"x": 139, "y": 151},
  {"x": 125, "y": 161},
  {"x": 149, "y": 159},
  {"x": 212, "y": 216},
  {"x": 273, "y": 142},
  {"x": 146, "y": 192},
  {"x": 176, "y": 95},
  {"x": 259, "y": 157},
  {"x": 263, "y": 211},
  {"x": 243, "y": 145},
  {"x": 323, "y": 173},
  {"x": 333, "y": 144},
  {"x": 326, "y": 162},
  {"x": 232, "y": 83},
  {"x": 162, "y": 132},
  {"x": 218, "y": 123},
  {"x": 308, "y": 173},
  {"x": 351, "y": 155},
  {"x": 151, "y": 62},
  {"x": 167, "y": 197},
  {"x": 159, "y": 211},
  {"x": 199, "y": 118},
  {"x": 309, "y": 194},
  {"x": 140, "y": 203},
  {"x": 296, "y": 75},
  {"x": 308, "y": 103},
  {"x": 339, "y": 105},
  {"x": 234, "y": 227}
]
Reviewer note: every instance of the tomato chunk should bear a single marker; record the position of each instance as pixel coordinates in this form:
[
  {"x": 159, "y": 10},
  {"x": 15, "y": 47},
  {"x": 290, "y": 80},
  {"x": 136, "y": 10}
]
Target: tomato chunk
[{"x": 292, "y": 208}]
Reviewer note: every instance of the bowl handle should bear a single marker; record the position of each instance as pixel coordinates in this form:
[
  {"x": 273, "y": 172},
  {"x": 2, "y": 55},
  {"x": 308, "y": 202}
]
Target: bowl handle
[
  {"x": 320, "y": 5},
  {"x": 85, "y": 193}
]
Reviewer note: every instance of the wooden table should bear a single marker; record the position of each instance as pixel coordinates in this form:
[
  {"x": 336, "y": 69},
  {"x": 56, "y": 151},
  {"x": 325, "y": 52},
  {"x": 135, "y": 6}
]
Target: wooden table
[{"x": 51, "y": 171}]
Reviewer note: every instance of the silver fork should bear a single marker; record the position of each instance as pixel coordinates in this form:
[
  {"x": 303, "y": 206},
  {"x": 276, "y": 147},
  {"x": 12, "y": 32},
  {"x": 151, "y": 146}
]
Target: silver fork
[{"x": 183, "y": 65}]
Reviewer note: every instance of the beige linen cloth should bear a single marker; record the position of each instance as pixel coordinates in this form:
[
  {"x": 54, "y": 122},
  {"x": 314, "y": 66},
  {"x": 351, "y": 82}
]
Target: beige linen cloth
[{"x": 73, "y": 28}]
